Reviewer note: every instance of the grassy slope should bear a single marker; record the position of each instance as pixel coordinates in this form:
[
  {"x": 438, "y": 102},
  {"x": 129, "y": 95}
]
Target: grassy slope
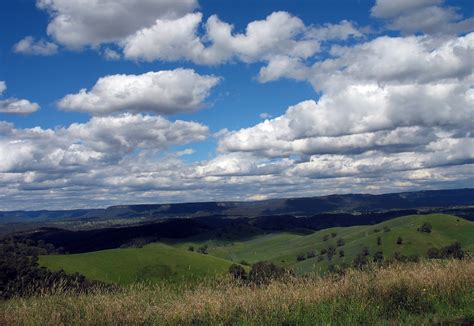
[
  {"x": 425, "y": 293},
  {"x": 283, "y": 248},
  {"x": 153, "y": 262}
]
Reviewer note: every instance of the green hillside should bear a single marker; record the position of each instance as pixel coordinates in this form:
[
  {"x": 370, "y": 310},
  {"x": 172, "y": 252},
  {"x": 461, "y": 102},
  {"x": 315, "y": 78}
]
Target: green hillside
[
  {"x": 173, "y": 262},
  {"x": 283, "y": 248},
  {"x": 153, "y": 263}
]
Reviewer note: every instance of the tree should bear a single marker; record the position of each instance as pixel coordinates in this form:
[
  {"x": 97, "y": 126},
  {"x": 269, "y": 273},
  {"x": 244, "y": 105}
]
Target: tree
[
  {"x": 378, "y": 257},
  {"x": 360, "y": 261},
  {"x": 203, "y": 250},
  {"x": 341, "y": 242},
  {"x": 379, "y": 241},
  {"x": 237, "y": 272},
  {"x": 341, "y": 253},
  {"x": 300, "y": 257},
  {"x": 191, "y": 248},
  {"x": 331, "y": 252},
  {"x": 365, "y": 251},
  {"x": 425, "y": 228},
  {"x": 263, "y": 272},
  {"x": 399, "y": 241}
]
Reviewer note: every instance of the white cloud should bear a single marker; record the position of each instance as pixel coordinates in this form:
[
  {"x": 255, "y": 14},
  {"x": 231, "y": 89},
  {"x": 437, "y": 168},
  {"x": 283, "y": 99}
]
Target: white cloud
[
  {"x": 110, "y": 54},
  {"x": 28, "y": 45},
  {"x": 428, "y": 16},
  {"x": 164, "y": 92},
  {"x": 76, "y": 24},
  {"x": 14, "y": 105},
  {"x": 265, "y": 115},
  {"x": 171, "y": 40},
  {"x": 341, "y": 31},
  {"x": 18, "y": 106},
  {"x": 99, "y": 142}
]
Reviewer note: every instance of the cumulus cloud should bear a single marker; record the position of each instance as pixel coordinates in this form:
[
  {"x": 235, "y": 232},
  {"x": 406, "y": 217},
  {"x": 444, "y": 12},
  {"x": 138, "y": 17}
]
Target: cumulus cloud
[
  {"x": 76, "y": 24},
  {"x": 164, "y": 92},
  {"x": 170, "y": 40},
  {"x": 101, "y": 140},
  {"x": 14, "y": 105},
  {"x": 428, "y": 16},
  {"x": 28, "y": 45}
]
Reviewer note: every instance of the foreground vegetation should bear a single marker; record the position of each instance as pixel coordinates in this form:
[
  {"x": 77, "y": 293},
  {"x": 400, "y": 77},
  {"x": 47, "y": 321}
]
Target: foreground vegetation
[{"x": 427, "y": 292}]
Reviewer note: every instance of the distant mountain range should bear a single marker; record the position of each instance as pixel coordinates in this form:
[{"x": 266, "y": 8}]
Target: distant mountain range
[{"x": 299, "y": 207}]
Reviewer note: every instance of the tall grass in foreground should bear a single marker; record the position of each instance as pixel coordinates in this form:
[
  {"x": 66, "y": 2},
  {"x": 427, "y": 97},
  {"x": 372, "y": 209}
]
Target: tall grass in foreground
[{"x": 428, "y": 292}]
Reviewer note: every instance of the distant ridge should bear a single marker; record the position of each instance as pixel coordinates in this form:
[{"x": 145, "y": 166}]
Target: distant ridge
[{"x": 345, "y": 203}]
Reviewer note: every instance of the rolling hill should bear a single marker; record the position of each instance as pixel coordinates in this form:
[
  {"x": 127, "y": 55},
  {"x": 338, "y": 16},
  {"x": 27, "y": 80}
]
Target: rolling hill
[
  {"x": 283, "y": 248},
  {"x": 153, "y": 262},
  {"x": 172, "y": 261}
]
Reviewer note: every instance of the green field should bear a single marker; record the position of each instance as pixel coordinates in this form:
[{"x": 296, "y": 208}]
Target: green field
[
  {"x": 173, "y": 261},
  {"x": 283, "y": 248},
  {"x": 152, "y": 263}
]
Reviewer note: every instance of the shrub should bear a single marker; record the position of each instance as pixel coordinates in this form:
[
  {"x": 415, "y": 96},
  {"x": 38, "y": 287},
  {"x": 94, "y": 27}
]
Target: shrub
[
  {"x": 399, "y": 241},
  {"x": 326, "y": 237},
  {"x": 237, "y": 272},
  {"x": 311, "y": 254},
  {"x": 378, "y": 257},
  {"x": 333, "y": 234},
  {"x": 452, "y": 251},
  {"x": 341, "y": 242},
  {"x": 379, "y": 241},
  {"x": 203, "y": 249},
  {"x": 386, "y": 229},
  {"x": 300, "y": 257},
  {"x": 425, "y": 228},
  {"x": 191, "y": 248},
  {"x": 341, "y": 253},
  {"x": 263, "y": 272},
  {"x": 331, "y": 251},
  {"x": 365, "y": 251},
  {"x": 360, "y": 261}
]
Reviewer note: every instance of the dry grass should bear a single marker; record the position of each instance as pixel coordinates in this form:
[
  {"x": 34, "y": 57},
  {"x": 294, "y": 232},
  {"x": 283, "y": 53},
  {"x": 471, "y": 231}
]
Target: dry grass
[{"x": 411, "y": 293}]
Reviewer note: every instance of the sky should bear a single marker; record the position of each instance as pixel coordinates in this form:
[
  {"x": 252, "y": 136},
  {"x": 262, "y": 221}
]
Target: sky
[{"x": 106, "y": 102}]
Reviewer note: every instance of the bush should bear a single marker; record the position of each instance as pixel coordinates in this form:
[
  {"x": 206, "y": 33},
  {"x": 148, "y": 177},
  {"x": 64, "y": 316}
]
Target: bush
[
  {"x": 341, "y": 253},
  {"x": 263, "y": 272},
  {"x": 341, "y": 242},
  {"x": 452, "y": 251},
  {"x": 326, "y": 237},
  {"x": 378, "y": 257},
  {"x": 237, "y": 272},
  {"x": 333, "y": 234},
  {"x": 191, "y": 248},
  {"x": 331, "y": 251},
  {"x": 386, "y": 229},
  {"x": 379, "y": 241},
  {"x": 399, "y": 241},
  {"x": 311, "y": 254},
  {"x": 360, "y": 261},
  {"x": 203, "y": 249},
  {"x": 425, "y": 228},
  {"x": 300, "y": 257}
]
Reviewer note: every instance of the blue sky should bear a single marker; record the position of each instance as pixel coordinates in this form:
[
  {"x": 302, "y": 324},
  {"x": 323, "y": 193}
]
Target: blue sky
[{"x": 349, "y": 69}]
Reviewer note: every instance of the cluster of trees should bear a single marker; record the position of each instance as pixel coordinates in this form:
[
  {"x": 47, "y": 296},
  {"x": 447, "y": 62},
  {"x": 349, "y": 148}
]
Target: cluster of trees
[
  {"x": 425, "y": 228},
  {"x": 20, "y": 274},
  {"x": 202, "y": 250},
  {"x": 329, "y": 252},
  {"x": 260, "y": 273},
  {"x": 452, "y": 251}
]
